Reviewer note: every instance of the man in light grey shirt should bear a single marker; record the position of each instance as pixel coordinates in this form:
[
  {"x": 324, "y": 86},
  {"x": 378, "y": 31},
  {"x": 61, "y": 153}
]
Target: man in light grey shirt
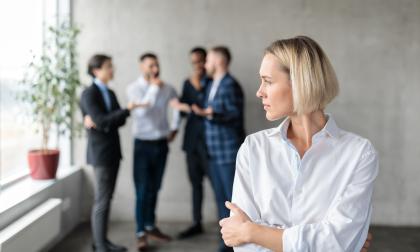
[{"x": 152, "y": 131}]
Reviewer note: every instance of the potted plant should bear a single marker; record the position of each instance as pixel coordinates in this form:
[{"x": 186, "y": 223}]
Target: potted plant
[{"x": 50, "y": 88}]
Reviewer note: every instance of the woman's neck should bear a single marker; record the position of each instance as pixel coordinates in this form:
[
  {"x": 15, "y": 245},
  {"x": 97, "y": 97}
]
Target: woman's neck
[{"x": 303, "y": 127}]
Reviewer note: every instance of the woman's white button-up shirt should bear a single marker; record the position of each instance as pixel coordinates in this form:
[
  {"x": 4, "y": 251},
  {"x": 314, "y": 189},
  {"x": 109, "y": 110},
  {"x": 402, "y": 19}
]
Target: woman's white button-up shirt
[{"x": 322, "y": 201}]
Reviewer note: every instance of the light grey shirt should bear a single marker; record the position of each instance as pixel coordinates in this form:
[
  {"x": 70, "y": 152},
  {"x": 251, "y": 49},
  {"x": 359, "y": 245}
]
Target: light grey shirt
[
  {"x": 152, "y": 122},
  {"x": 214, "y": 86}
]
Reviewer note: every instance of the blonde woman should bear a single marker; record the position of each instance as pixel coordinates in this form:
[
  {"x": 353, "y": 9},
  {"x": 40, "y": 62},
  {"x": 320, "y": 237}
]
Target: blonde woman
[{"x": 307, "y": 184}]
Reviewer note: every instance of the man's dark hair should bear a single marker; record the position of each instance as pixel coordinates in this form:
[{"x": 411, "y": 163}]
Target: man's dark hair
[
  {"x": 199, "y": 50},
  {"x": 224, "y": 51},
  {"x": 96, "y": 62},
  {"x": 147, "y": 55}
]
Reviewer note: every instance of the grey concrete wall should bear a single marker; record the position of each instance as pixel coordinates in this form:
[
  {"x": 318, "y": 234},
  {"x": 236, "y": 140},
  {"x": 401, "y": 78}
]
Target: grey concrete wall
[{"x": 374, "y": 46}]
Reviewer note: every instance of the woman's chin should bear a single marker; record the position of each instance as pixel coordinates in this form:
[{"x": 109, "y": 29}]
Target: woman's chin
[
  {"x": 270, "y": 117},
  {"x": 274, "y": 117}
]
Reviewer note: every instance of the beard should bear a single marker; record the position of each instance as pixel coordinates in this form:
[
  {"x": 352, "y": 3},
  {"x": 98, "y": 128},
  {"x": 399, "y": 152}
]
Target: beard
[
  {"x": 210, "y": 72},
  {"x": 152, "y": 75}
]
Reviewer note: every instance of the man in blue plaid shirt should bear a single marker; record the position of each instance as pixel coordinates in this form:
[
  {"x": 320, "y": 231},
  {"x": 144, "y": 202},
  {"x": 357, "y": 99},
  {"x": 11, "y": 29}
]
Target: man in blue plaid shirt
[{"x": 224, "y": 126}]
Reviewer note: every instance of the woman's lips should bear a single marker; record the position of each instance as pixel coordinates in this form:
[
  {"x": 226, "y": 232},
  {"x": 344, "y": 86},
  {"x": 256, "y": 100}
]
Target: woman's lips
[{"x": 266, "y": 106}]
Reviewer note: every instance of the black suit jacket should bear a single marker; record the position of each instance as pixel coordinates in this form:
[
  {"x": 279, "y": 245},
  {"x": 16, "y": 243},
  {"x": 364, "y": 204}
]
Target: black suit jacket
[{"x": 104, "y": 147}]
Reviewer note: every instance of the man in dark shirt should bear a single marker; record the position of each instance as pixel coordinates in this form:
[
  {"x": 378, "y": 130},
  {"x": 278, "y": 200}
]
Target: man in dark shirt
[{"x": 194, "y": 145}]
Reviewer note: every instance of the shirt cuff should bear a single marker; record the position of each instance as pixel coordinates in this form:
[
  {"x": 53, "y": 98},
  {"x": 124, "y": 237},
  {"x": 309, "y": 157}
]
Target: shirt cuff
[{"x": 289, "y": 236}]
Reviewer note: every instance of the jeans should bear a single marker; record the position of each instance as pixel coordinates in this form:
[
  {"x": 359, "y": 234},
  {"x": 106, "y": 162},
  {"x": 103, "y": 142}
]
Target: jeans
[{"x": 149, "y": 166}]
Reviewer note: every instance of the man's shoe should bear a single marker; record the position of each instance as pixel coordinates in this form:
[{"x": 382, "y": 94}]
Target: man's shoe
[
  {"x": 142, "y": 243},
  {"x": 115, "y": 247},
  {"x": 99, "y": 248},
  {"x": 194, "y": 230},
  {"x": 110, "y": 247},
  {"x": 157, "y": 235}
]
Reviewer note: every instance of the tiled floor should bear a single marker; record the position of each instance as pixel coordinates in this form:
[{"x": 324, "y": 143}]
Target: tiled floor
[{"x": 386, "y": 239}]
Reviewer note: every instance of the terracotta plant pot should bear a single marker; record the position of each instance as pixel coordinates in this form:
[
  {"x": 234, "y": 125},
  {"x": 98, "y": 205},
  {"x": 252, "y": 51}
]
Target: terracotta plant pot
[{"x": 43, "y": 164}]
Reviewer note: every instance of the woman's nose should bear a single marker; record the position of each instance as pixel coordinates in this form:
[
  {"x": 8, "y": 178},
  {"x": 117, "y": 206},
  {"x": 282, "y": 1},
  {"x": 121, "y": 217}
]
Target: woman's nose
[{"x": 260, "y": 93}]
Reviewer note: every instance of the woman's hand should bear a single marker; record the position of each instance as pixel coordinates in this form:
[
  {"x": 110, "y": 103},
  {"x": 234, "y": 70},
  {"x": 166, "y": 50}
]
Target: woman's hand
[
  {"x": 235, "y": 229},
  {"x": 367, "y": 243}
]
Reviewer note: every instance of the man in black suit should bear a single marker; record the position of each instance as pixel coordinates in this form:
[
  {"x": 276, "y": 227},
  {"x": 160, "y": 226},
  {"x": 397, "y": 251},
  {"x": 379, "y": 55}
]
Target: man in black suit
[{"x": 102, "y": 118}]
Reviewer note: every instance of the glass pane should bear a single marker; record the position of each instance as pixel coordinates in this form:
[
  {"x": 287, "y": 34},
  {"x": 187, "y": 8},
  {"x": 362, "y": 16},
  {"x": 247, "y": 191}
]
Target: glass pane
[{"x": 22, "y": 30}]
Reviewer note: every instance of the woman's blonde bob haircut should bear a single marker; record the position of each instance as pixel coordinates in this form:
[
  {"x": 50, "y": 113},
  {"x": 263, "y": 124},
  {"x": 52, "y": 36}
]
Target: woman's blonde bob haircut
[{"x": 314, "y": 83}]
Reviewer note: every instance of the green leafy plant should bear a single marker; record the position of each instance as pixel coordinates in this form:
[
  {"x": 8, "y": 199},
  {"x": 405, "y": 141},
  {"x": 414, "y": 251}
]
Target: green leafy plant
[{"x": 51, "y": 83}]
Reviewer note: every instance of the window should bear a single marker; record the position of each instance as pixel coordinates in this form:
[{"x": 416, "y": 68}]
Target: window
[{"x": 22, "y": 23}]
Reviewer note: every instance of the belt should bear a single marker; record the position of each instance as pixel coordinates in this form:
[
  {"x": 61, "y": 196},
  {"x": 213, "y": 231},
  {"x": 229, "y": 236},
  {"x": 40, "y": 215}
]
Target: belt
[{"x": 158, "y": 141}]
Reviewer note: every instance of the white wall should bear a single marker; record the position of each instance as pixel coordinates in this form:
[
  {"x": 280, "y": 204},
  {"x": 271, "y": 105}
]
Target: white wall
[{"x": 374, "y": 46}]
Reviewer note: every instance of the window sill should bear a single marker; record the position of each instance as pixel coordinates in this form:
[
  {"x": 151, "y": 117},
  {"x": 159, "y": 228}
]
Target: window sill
[
  {"x": 5, "y": 183},
  {"x": 25, "y": 187},
  {"x": 23, "y": 196}
]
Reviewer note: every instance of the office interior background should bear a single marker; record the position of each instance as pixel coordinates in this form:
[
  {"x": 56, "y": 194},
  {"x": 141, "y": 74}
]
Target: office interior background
[{"x": 374, "y": 46}]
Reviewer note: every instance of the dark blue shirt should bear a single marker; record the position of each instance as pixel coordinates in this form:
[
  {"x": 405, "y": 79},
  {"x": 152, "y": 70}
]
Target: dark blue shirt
[{"x": 194, "y": 129}]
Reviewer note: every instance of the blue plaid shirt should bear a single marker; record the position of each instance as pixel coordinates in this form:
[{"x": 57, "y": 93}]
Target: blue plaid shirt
[{"x": 225, "y": 130}]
